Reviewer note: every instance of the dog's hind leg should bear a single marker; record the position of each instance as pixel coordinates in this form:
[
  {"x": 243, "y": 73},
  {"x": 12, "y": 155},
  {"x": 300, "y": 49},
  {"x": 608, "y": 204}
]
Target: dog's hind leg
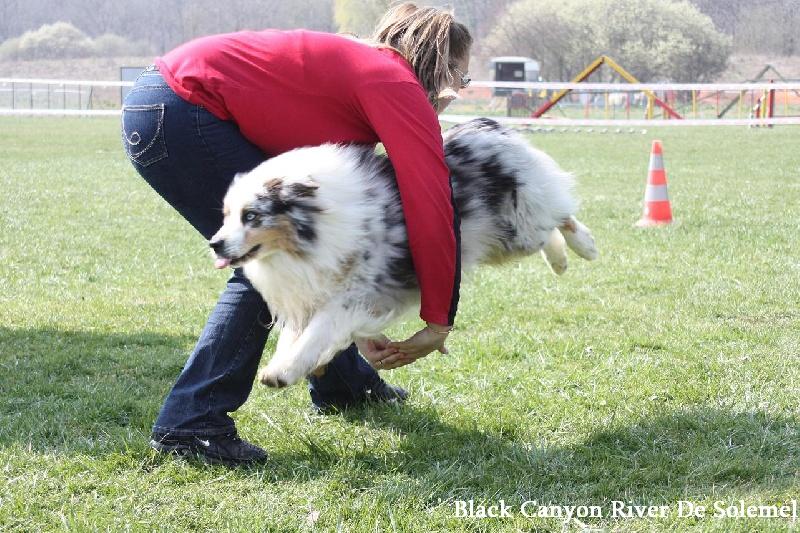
[
  {"x": 328, "y": 332},
  {"x": 554, "y": 252},
  {"x": 579, "y": 238}
]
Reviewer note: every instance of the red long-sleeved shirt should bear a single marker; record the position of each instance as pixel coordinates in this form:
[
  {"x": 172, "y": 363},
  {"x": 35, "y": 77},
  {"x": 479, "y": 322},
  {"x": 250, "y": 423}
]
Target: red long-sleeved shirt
[{"x": 288, "y": 89}]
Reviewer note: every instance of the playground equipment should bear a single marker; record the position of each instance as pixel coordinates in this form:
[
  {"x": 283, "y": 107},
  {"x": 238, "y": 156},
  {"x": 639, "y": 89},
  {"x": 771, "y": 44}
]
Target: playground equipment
[
  {"x": 652, "y": 99},
  {"x": 758, "y": 77},
  {"x": 765, "y": 106}
]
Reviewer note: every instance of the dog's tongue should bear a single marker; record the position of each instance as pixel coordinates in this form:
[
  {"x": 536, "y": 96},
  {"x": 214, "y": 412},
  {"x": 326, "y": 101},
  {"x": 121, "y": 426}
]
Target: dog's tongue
[{"x": 221, "y": 262}]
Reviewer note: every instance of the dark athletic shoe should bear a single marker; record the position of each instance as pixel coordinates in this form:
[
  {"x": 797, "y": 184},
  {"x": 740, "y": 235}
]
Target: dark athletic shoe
[
  {"x": 385, "y": 393},
  {"x": 379, "y": 392},
  {"x": 229, "y": 449}
]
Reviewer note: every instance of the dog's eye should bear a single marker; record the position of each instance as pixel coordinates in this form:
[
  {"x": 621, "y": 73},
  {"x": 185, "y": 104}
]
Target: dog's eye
[{"x": 249, "y": 216}]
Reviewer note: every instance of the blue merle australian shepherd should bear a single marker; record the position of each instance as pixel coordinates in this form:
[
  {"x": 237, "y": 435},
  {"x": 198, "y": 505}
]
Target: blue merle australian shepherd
[{"x": 321, "y": 234}]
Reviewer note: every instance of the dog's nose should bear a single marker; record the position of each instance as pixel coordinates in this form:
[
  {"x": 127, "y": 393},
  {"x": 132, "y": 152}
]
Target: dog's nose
[{"x": 217, "y": 246}]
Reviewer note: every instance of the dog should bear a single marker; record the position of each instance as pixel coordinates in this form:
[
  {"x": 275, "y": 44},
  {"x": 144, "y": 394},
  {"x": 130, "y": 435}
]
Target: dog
[{"x": 321, "y": 234}]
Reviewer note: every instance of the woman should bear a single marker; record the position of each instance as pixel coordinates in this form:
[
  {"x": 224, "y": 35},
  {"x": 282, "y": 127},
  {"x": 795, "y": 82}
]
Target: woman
[{"x": 221, "y": 105}]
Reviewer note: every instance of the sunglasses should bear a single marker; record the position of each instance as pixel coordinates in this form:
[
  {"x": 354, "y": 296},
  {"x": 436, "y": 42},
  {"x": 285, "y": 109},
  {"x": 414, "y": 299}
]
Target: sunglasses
[{"x": 465, "y": 79}]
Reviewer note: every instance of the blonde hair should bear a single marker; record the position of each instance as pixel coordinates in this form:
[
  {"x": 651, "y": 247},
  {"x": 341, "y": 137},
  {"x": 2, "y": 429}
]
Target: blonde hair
[{"x": 429, "y": 39}]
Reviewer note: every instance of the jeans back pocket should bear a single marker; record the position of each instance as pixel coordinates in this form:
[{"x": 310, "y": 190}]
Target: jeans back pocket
[{"x": 143, "y": 133}]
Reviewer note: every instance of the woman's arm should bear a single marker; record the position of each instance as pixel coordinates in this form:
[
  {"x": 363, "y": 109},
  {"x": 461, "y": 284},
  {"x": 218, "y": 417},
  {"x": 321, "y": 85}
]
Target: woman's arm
[
  {"x": 408, "y": 127},
  {"x": 409, "y": 130}
]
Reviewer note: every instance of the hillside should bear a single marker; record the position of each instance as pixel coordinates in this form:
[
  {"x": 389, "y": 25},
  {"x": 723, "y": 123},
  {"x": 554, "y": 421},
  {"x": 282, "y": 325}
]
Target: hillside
[
  {"x": 745, "y": 67},
  {"x": 93, "y": 68}
]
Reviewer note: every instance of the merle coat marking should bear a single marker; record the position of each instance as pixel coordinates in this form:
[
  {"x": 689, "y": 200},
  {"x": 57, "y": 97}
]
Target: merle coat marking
[{"x": 321, "y": 234}]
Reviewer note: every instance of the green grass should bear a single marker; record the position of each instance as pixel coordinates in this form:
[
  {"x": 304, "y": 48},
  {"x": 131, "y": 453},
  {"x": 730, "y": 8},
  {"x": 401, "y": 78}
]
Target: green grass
[{"x": 668, "y": 370}]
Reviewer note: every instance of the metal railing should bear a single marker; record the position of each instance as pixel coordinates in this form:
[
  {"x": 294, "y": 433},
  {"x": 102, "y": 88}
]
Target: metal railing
[{"x": 588, "y": 104}]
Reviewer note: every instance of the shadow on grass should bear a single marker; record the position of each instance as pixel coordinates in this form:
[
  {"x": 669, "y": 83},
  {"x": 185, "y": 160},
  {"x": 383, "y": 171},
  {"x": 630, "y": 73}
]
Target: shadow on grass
[
  {"x": 662, "y": 458},
  {"x": 98, "y": 393},
  {"x": 83, "y": 391}
]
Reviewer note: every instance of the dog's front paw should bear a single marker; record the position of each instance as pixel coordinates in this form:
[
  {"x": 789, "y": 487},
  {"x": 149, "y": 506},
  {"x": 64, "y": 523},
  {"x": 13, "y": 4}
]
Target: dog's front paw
[
  {"x": 271, "y": 379},
  {"x": 278, "y": 377}
]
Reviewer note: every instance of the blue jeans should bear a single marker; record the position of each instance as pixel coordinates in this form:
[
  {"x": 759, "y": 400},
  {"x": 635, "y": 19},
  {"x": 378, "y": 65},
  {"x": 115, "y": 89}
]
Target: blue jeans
[{"x": 190, "y": 158}]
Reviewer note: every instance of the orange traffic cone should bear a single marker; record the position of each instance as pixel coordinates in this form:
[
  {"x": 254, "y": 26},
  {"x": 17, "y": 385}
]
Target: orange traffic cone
[{"x": 657, "y": 210}]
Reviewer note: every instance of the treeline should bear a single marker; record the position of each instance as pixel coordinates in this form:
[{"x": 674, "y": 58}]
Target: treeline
[
  {"x": 656, "y": 40},
  {"x": 164, "y": 24},
  {"x": 667, "y": 39},
  {"x": 757, "y": 26}
]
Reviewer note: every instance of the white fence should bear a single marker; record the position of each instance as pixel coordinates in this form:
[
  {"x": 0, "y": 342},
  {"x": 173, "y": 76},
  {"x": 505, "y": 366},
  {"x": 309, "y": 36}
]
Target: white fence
[
  {"x": 35, "y": 96},
  {"x": 620, "y": 105}
]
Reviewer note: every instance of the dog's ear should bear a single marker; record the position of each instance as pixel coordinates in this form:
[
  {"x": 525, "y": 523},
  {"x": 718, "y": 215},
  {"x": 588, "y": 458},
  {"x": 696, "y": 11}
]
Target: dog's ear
[
  {"x": 304, "y": 188},
  {"x": 272, "y": 190},
  {"x": 283, "y": 194},
  {"x": 273, "y": 185}
]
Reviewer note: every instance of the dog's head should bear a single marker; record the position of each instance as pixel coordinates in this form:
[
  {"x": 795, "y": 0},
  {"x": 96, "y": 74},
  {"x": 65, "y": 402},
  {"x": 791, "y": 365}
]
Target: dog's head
[{"x": 265, "y": 213}]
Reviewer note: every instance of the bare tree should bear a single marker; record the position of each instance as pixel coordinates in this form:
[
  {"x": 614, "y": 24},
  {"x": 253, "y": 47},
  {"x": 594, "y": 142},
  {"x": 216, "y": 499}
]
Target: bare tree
[
  {"x": 724, "y": 13},
  {"x": 762, "y": 26},
  {"x": 359, "y": 16},
  {"x": 165, "y": 23},
  {"x": 9, "y": 12}
]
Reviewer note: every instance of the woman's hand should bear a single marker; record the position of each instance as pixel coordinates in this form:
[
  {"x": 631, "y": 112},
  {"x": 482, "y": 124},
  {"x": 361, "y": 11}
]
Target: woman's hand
[
  {"x": 443, "y": 101},
  {"x": 378, "y": 353},
  {"x": 384, "y": 354},
  {"x": 428, "y": 339}
]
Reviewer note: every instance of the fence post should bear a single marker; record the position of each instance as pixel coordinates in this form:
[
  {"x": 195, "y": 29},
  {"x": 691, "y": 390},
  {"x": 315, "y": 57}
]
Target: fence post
[
  {"x": 742, "y": 96},
  {"x": 628, "y": 105},
  {"x": 786, "y": 103},
  {"x": 771, "y": 110}
]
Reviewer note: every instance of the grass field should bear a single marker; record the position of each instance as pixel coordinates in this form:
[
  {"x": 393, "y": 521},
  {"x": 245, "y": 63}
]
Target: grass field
[{"x": 666, "y": 371}]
